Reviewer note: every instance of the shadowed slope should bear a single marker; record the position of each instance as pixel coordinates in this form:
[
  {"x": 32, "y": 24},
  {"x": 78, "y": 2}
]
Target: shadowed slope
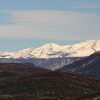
[{"x": 89, "y": 65}]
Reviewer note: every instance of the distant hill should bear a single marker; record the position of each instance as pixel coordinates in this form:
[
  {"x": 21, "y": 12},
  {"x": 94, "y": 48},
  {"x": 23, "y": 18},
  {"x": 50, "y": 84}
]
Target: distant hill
[
  {"x": 88, "y": 65},
  {"x": 15, "y": 70}
]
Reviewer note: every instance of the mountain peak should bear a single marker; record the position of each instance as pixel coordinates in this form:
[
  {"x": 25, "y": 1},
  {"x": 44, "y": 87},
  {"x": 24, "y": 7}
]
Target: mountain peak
[{"x": 53, "y": 45}]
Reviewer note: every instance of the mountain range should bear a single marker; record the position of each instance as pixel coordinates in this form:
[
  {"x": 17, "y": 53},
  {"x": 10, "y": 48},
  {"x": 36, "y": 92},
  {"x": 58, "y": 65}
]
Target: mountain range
[
  {"x": 52, "y": 56},
  {"x": 24, "y": 75},
  {"x": 52, "y": 50}
]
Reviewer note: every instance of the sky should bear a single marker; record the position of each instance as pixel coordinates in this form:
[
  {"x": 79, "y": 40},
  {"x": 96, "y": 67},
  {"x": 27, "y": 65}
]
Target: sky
[{"x": 32, "y": 23}]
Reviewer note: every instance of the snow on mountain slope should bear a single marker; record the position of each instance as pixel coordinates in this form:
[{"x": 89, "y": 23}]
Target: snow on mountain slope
[
  {"x": 52, "y": 50},
  {"x": 25, "y": 53},
  {"x": 85, "y": 48},
  {"x": 20, "y": 54}
]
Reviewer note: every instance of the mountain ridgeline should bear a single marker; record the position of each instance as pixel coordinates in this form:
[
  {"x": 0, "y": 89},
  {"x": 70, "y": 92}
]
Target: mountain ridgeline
[{"x": 52, "y": 50}]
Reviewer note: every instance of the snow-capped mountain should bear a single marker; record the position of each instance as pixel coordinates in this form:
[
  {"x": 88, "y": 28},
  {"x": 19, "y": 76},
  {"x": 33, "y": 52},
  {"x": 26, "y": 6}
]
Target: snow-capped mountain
[
  {"x": 52, "y": 50},
  {"x": 52, "y": 56},
  {"x": 84, "y": 48}
]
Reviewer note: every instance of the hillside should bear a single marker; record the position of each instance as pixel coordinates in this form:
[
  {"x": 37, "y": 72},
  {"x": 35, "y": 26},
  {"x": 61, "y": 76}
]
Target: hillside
[
  {"x": 27, "y": 82},
  {"x": 88, "y": 65}
]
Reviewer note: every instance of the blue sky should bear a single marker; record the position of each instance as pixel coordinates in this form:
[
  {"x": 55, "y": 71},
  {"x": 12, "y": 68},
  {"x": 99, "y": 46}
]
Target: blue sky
[
  {"x": 47, "y": 4},
  {"x": 32, "y": 23}
]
